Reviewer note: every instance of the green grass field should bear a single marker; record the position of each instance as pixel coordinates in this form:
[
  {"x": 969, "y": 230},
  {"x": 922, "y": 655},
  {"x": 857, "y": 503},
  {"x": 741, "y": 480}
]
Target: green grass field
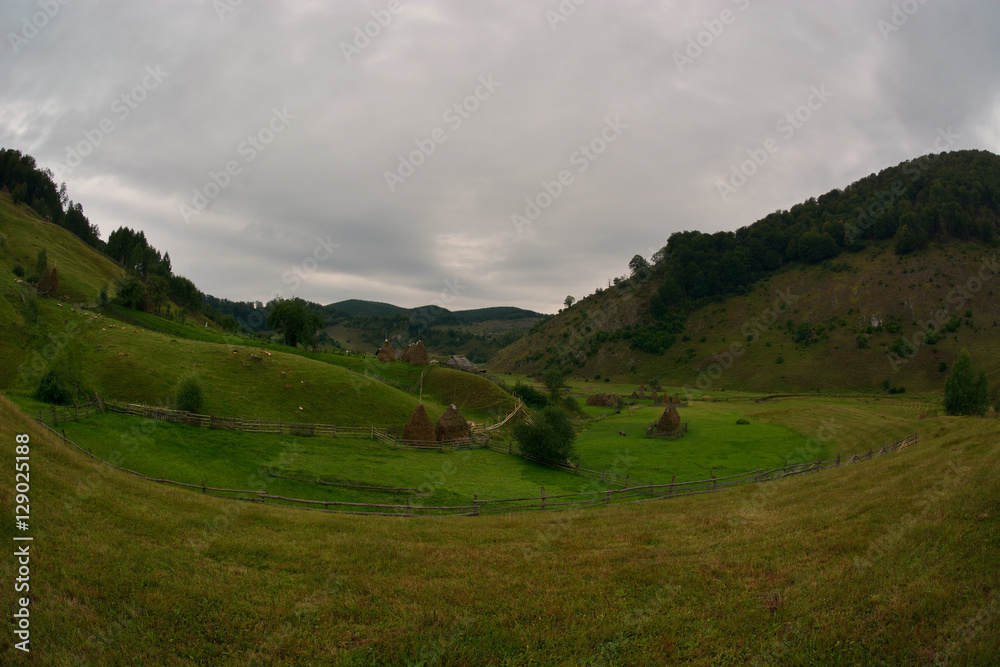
[
  {"x": 888, "y": 562},
  {"x": 231, "y": 459}
]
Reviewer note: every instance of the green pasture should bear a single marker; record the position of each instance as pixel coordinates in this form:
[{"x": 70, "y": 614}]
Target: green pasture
[{"x": 234, "y": 460}]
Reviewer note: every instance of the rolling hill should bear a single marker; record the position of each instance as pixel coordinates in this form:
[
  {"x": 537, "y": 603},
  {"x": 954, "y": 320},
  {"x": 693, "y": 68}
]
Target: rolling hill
[{"x": 868, "y": 314}]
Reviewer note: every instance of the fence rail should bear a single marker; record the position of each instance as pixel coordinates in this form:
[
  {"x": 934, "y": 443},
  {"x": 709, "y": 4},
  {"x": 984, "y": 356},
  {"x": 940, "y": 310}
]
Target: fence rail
[{"x": 630, "y": 490}]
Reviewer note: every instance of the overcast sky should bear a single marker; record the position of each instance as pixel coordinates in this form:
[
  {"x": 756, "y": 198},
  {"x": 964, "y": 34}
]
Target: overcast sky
[{"x": 389, "y": 165}]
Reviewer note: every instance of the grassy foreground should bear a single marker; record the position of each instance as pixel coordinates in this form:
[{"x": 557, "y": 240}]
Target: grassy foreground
[{"x": 889, "y": 562}]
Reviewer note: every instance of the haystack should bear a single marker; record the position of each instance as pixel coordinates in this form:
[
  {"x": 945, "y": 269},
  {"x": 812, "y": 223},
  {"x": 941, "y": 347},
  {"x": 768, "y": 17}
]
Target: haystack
[
  {"x": 386, "y": 353},
  {"x": 603, "y": 400},
  {"x": 459, "y": 362},
  {"x": 451, "y": 426},
  {"x": 669, "y": 422},
  {"x": 416, "y": 355},
  {"x": 635, "y": 395},
  {"x": 654, "y": 397},
  {"x": 642, "y": 392},
  {"x": 419, "y": 428},
  {"x": 49, "y": 282}
]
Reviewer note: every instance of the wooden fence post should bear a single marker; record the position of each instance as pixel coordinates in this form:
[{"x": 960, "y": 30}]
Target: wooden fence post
[
  {"x": 475, "y": 504},
  {"x": 838, "y": 459},
  {"x": 670, "y": 491},
  {"x": 55, "y": 420},
  {"x": 543, "y": 497},
  {"x": 407, "y": 506},
  {"x": 607, "y": 498},
  {"x": 713, "y": 477},
  {"x": 203, "y": 486}
]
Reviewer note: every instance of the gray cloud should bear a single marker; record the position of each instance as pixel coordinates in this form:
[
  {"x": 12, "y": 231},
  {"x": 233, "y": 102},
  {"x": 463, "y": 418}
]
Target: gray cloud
[{"x": 345, "y": 124}]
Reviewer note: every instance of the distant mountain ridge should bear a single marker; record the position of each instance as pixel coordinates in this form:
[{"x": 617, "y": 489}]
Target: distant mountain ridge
[{"x": 354, "y": 307}]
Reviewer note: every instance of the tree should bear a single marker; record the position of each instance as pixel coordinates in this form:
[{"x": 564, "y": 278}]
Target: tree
[
  {"x": 54, "y": 389},
  {"x": 569, "y": 301},
  {"x": 292, "y": 319},
  {"x": 189, "y": 394},
  {"x": 553, "y": 381},
  {"x": 965, "y": 394},
  {"x": 550, "y": 438},
  {"x": 639, "y": 266}
]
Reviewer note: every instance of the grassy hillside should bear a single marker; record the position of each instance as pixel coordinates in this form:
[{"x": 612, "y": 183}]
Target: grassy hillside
[
  {"x": 889, "y": 562},
  {"x": 837, "y": 302}
]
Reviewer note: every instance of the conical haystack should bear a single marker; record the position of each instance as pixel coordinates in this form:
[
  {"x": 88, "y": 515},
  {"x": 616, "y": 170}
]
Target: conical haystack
[
  {"x": 642, "y": 393},
  {"x": 635, "y": 395},
  {"x": 669, "y": 422},
  {"x": 451, "y": 426},
  {"x": 416, "y": 355},
  {"x": 419, "y": 428},
  {"x": 386, "y": 353},
  {"x": 49, "y": 282},
  {"x": 654, "y": 397}
]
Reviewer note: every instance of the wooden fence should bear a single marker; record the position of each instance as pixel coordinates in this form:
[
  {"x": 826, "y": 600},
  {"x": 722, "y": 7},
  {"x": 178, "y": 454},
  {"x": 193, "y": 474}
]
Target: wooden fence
[{"x": 632, "y": 490}]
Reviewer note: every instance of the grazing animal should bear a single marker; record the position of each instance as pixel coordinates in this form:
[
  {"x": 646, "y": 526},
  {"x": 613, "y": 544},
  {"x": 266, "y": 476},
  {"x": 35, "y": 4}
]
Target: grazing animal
[{"x": 621, "y": 432}]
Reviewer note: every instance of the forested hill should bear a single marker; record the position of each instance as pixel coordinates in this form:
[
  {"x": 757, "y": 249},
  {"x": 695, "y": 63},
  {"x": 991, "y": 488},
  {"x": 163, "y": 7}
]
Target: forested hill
[{"x": 935, "y": 199}]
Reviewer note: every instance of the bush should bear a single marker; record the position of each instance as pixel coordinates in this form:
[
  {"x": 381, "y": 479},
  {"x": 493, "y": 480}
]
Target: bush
[
  {"x": 533, "y": 398},
  {"x": 779, "y": 360},
  {"x": 965, "y": 394},
  {"x": 18, "y": 269},
  {"x": 54, "y": 389},
  {"x": 549, "y": 439},
  {"x": 742, "y": 422},
  {"x": 189, "y": 394}
]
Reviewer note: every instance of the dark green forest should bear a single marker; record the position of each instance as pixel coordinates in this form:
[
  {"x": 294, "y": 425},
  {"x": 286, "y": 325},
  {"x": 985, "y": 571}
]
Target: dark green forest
[{"x": 934, "y": 198}]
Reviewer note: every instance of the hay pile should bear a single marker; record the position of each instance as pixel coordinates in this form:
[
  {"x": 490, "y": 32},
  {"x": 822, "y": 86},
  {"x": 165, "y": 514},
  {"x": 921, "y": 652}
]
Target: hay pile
[
  {"x": 49, "y": 282},
  {"x": 634, "y": 395},
  {"x": 416, "y": 355},
  {"x": 656, "y": 399},
  {"x": 459, "y": 362},
  {"x": 386, "y": 353},
  {"x": 603, "y": 400},
  {"x": 669, "y": 422},
  {"x": 419, "y": 427},
  {"x": 451, "y": 426}
]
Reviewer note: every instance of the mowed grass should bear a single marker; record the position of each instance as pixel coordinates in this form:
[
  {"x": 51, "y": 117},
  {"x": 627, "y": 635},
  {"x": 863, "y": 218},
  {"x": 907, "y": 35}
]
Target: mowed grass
[
  {"x": 888, "y": 562},
  {"x": 235, "y": 460},
  {"x": 714, "y": 442}
]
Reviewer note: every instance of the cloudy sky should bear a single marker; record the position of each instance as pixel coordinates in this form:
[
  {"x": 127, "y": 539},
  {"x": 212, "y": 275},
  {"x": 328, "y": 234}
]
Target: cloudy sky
[{"x": 473, "y": 154}]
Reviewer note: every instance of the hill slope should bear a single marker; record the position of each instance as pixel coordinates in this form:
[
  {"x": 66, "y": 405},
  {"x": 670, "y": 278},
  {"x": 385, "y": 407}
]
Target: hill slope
[
  {"x": 890, "y": 562},
  {"x": 853, "y": 320}
]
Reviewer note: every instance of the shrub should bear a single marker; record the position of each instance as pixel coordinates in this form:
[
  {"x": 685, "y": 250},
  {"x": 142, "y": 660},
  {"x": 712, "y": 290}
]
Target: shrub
[
  {"x": 550, "y": 438},
  {"x": 742, "y": 422},
  {"x": 54, "y": 389},
  {"x": 189, "y": 394},
  {"x": 942, "y": 367},
  {"x": 533, "y": 398},
  {"x": 779, "y": 360},
  {"x": 18, "y": 269},
  {"x": 965, "y": 394}
]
